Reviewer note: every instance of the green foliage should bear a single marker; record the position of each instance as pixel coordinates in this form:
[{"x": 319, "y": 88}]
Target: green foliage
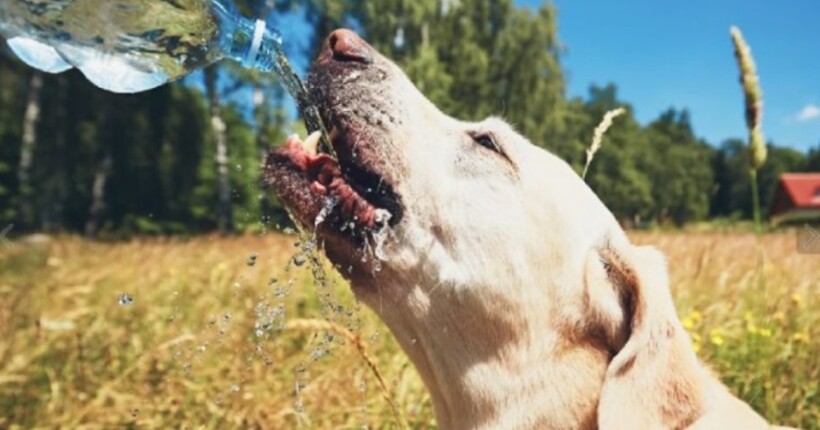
[
  {"x": 732, "y": 195},
  {"x": 473, "y": 58},
  {"x": 477, "y": 58}
]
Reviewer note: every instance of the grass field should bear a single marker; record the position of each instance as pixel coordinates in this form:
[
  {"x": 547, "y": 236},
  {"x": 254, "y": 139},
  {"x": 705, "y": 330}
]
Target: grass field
[{"x": 231, "y": 333}]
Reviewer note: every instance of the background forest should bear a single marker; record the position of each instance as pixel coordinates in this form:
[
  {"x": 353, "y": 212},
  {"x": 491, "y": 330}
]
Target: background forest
[
  {"x": 185, "y": 158},
  {"x": 255, "y": 330}
]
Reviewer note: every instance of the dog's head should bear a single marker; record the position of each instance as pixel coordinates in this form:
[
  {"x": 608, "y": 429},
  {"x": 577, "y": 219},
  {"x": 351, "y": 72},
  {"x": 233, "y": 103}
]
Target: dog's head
[
  {"x": 480, "y": 250},
  {"x": 457, "y": 201}
]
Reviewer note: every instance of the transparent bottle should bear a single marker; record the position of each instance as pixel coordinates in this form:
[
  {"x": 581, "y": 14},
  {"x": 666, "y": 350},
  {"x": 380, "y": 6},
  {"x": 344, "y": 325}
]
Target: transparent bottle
[{"x": 128, "y": 46}]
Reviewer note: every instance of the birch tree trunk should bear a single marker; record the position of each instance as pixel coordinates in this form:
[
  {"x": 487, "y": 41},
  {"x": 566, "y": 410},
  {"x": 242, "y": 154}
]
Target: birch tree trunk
[
  {"x": 225, "y": 217},
  {"x": 262, "y": 144},
  {"x": 29, "y": 144},
  {"x": 92, "y": 225}
]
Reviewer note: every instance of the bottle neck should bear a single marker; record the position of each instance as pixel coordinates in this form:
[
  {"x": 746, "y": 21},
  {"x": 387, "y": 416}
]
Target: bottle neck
[{"x": 249, "y": 42}]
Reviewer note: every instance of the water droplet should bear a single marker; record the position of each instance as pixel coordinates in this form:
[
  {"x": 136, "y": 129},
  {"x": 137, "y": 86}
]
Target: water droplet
[
  {"x": 380, "y": 235},
  {"x": 252, "y": 259},
  {"x": 327, "y": 208},
  {"x": 135, "y": 412},
  {"x": 318, "y": 353},
  {"x": 234, "y": 388},
  {"x": 238, "y": 167},
  {"x": 299, "y": 260},
  {"x": 125, "y": 299}
]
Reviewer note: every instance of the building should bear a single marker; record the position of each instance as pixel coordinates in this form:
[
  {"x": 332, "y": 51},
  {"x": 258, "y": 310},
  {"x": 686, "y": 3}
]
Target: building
[{"x": 797, "y": 197}]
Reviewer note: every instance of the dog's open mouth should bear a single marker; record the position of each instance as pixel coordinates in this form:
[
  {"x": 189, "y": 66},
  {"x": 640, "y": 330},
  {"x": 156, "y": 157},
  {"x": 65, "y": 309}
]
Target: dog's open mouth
[{"x": 326, "y": 192}]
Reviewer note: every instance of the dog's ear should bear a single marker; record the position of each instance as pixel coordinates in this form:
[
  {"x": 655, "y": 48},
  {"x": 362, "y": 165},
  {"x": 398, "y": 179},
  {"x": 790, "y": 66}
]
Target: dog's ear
[{"x": 653, "y": 379}]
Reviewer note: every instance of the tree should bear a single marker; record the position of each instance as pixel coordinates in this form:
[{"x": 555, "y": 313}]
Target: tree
[
  {"x": 30, "y": 120},
  {"x": 812, "y": 162},
  {"x": 504, "y": 59},
  {"x": 615, "y": 174},
  {"x": 679, "y": 168},
  {"x": 733, "y": 187},
  {"x": 219, "y": 129}
]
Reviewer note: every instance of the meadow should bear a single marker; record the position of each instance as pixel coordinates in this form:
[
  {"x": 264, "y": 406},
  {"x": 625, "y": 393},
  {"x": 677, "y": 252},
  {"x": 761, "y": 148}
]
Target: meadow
[{"x": 235, "y": 332}]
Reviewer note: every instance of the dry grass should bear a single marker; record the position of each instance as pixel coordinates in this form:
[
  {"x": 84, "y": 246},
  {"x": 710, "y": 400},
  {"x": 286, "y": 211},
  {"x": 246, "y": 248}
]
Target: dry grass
[
  {"x": 598, "y": 136},
  {"x": 212, "y": 341}
]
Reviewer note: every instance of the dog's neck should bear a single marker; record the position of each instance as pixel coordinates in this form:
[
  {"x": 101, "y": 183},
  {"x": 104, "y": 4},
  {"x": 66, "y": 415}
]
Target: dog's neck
[{"x": 490, "y": 362}]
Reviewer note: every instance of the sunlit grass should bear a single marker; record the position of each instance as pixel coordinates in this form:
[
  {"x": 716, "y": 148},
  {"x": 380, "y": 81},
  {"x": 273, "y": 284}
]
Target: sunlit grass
[
  {"x": 750, "y": 304},
  {"x": 215, "y": 339}
]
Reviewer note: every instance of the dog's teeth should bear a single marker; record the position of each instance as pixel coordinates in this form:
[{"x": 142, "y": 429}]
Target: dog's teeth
[
  {"x": 293, "y": 141},
  {"x": 312, "y": 142}
]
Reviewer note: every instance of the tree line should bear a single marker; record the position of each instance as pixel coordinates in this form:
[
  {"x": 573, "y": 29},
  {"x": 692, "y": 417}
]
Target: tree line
[{"x": 185, "y": 158}]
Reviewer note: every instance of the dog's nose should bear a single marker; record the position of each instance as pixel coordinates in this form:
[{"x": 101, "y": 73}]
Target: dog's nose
[{"x": 348, "y": 46}]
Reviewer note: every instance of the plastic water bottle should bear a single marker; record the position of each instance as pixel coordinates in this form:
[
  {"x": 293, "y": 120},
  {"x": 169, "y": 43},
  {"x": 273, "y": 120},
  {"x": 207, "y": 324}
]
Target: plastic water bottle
[{"x": 128, "y": 46}]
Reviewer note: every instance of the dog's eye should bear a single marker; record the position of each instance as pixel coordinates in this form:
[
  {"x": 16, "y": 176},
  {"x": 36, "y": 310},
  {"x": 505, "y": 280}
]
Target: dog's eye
[{"x": 487, "y": 141}]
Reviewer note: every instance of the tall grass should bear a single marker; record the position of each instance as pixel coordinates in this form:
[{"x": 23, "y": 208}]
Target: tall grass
[
  {"x": 753, "y": 99},
  {"x": 215, "y": 339},
  {"x": 598, "y": 137}
]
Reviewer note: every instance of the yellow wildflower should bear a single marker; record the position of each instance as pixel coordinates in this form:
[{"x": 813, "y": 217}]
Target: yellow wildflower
[
  {"x": 748, "y": 317},
  {"x": 716, "y": 337},
  {"x": 779, "y": 316},
  {"x": 765, "y": 332},
  {"x": 690, "y": 321},
  {"x": 696, "y": 346},
  {"x": 751, "y": 328}
]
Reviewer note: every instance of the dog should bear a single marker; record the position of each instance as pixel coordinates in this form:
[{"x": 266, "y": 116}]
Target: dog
[{"x": 510, "y": 286}]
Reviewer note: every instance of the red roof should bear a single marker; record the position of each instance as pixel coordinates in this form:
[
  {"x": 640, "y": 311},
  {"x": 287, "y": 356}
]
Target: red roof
[{"x": 802, "y": 188}]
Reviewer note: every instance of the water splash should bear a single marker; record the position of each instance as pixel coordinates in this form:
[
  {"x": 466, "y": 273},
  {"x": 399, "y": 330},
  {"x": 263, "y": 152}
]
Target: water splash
[
  {"x": 125, "y": 299},
  {"x": 380, "y": 235},
  {"x": 329, "y": 204},
  {"x": 268, "y": 318}
]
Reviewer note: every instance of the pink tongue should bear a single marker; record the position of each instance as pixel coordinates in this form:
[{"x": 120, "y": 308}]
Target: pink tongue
[{"x": 327, "y": 179}]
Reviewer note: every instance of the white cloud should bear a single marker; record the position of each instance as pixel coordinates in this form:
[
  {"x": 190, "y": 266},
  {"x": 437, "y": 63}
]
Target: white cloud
[{"x": 809, "y": 113}]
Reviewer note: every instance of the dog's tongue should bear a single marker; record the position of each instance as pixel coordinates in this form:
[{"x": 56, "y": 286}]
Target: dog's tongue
[{"x": 325, "y": 177}]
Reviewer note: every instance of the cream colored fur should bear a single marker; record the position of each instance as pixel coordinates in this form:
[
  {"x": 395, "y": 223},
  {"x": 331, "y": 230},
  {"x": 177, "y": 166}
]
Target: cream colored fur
[
  {"x": 513, "y": 289},
  {"x": 522, "y": 303}
]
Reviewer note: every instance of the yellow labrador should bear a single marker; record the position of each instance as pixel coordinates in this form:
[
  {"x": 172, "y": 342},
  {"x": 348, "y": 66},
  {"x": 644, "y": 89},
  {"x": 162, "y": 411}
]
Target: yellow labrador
[{"x": 508, "y": 283}]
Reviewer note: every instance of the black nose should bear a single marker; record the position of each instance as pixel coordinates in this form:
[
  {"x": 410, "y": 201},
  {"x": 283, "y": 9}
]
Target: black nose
[{"x": 348, "y": 46}]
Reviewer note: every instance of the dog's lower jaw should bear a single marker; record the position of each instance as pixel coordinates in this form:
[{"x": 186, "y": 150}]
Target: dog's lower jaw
[{"x": 506, "y": 378}]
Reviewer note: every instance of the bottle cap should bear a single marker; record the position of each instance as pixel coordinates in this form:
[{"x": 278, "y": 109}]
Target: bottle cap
[{"x": 256, "y": 42}]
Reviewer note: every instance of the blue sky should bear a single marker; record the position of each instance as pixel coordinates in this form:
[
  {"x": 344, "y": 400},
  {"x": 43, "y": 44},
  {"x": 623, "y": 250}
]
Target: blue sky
[{"x": 663, "y": 54}]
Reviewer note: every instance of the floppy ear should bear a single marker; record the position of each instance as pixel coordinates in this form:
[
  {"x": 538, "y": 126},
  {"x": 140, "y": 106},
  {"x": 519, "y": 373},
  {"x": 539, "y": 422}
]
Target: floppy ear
[{"x": 653, "y": 380}]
